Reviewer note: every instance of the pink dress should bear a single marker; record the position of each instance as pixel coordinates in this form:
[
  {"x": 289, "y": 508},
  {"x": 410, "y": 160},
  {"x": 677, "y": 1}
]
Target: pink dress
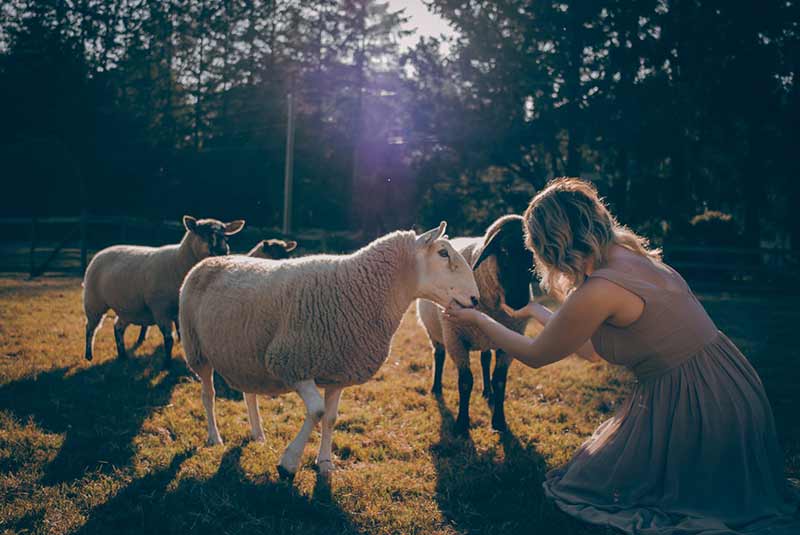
[{"x": 693, "y": 450}]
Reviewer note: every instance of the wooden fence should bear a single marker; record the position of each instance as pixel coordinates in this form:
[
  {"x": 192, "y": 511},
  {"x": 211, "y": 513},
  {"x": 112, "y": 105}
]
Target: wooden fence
[{"x": 64, "y": 245}]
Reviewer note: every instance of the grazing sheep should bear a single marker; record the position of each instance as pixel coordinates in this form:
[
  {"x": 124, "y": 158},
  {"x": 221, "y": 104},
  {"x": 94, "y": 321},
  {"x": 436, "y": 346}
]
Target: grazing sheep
[
  {"x": 273, "y": 249},
  {"x": 141, "y": 284},
  {"x": 270, "y": 327},
  {"x": 502, "y": 267}
]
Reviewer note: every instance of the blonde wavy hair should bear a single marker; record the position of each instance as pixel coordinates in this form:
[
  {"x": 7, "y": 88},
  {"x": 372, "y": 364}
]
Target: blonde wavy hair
[{"x": 566, "y": 225}]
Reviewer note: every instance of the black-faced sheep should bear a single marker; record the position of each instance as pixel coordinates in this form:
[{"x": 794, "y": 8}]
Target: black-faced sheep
[
  {"x": 502, "y": 267},
  {"x": 141, "y": 284},
  {"x": 273, "y": 249}
]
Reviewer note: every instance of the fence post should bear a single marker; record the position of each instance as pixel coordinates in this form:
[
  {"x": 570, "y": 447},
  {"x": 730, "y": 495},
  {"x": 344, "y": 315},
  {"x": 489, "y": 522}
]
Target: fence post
[
  {"x": 32, "y": 255},
  {"x": 83, "y": 223}
]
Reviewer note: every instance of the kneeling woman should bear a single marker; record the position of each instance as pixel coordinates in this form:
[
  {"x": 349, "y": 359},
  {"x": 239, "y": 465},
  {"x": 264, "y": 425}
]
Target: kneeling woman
[{"x": 694, "y": 449}]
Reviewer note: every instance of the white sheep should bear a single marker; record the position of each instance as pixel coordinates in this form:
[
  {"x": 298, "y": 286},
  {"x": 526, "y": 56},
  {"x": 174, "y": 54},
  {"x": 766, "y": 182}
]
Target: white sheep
[
  {"x": 270, "y": 327},
  {"x": 141, "y": 284},
  {"x": 273, "y": 249},
  {"x": 502, "y": 267}
]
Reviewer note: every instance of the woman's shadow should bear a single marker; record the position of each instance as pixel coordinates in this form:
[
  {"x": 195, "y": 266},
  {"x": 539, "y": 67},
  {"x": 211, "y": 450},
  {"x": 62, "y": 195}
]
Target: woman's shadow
[{"x": 99, "y": 409}]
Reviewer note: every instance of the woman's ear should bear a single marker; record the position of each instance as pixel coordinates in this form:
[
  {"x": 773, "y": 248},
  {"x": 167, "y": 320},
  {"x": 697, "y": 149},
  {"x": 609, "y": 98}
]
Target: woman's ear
[{"x": 189, "y": 223}]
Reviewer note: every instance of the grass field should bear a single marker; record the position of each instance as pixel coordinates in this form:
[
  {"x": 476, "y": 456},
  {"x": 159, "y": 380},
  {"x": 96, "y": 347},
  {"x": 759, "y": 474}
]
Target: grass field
[{"x": 117, "y": 446}]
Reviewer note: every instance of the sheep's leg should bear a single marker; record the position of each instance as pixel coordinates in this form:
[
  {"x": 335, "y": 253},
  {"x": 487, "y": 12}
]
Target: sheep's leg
[
  {"x": 486, "y": 369},
  {"x": 119, "y": 336},
  {"x": 256, "y": 432},
  {"x": 140, "y": 340},
  {"x": 206, "y": 374},
  {"x": 503, "y": 361},
  {"x": 166, "y": 332},
  {"x": 325, "y": 456},
  {"x": 315, "y": 410},
  {"x": 464, "y": 393},
  {"x": 438, "y": 368},
  {"x": 91, "y": 327}
]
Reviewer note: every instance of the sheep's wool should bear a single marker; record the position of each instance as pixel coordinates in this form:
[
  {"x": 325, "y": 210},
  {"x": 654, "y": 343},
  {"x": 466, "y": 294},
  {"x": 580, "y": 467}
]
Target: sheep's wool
[{"x": 265, "y": 325}]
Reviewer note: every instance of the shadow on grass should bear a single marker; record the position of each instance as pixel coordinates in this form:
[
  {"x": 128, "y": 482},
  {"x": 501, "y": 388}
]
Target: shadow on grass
[
  {"x": 100, "y": 409},
  {"x": 228, "y": 502},
  {"x": 494, "y": 491}
]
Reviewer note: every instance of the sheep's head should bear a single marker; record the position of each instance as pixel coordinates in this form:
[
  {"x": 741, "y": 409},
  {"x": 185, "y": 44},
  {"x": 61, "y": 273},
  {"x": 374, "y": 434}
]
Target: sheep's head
[
  {"x": 210, "y": 236},
  {"x": 505, "y": 242},
  {"x": 274, "y": 249},
  {"x": 443, "y": 275}
]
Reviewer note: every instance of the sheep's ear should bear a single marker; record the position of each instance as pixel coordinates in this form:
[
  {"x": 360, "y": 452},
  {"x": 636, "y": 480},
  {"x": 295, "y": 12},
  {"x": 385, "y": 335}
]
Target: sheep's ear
[
  {"x": 264, "y": 245},
  {"x": 233, "y": 227},
  {"x": 190, "y": 223},
  {"x": 489, "y": 248},
  {"x": 427, "y": 238},
  {"x": 291, "y": 245}
]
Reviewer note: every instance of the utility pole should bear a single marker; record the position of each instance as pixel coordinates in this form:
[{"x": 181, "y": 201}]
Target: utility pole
[{"x": 289, "y": 170}]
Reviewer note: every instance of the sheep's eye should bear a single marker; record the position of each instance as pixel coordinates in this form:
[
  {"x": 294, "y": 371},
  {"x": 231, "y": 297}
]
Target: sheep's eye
[{"x": 443, "y": 253}]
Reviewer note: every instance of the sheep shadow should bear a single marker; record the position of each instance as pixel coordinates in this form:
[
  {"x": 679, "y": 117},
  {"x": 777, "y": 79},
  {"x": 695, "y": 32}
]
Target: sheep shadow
[
  {"x": 99, "y": 409},
  {"x": 228, "y": 502},
  {"x": 498, "y": 490}
]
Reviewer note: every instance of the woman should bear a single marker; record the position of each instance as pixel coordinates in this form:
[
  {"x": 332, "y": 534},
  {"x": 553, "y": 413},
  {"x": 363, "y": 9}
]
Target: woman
[{"x": 694, "y": 449}]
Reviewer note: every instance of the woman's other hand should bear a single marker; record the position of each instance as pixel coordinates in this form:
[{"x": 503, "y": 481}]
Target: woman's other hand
[{"x": 521, "y": 313}]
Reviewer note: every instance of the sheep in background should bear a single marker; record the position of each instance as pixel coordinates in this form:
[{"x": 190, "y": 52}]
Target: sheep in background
[
  {"x": 502, "y": 267},
  {"x": 270, "y": 327},
  {"x": 273, "y": 249},
  {"x": 141, "y": 284}
]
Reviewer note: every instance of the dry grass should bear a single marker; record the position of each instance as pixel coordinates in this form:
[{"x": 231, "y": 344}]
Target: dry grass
[{"x": 116, "y": 447}]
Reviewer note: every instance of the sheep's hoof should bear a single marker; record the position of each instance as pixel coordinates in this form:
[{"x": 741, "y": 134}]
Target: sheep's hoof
[
  {"x": 122, "y": 355},
  {"x": 88, "y": 356},
  {"x": 214, "y": 441},
  {"x": 325, "y": 468},
  {"x": 461, "y": 428},
  {"x": 284, "y": 474},
  {"x": 499, "y": 425},
  {"x": 258, "y": 438}
]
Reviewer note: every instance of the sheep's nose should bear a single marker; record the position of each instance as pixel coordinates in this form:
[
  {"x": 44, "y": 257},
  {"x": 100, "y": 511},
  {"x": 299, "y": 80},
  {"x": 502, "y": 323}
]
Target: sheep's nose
[{"x": 474, "y": 300}]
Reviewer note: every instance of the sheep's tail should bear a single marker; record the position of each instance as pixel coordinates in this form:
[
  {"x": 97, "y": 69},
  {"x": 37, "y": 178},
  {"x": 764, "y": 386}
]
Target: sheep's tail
[{"x": 191, "y": 349}]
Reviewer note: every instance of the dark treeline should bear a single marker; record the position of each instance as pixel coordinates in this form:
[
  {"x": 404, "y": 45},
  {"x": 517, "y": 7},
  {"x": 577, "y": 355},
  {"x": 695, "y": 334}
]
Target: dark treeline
[{"x": 158, "y": 107}]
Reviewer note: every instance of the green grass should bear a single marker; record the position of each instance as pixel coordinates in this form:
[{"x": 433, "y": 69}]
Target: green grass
[{"x": 117, "y": 446}]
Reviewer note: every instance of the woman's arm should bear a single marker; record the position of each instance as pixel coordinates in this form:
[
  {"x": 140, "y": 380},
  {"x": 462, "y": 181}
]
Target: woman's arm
[
  {"x": 542, "y": 315},
  {"x": 567, "y": 330}
]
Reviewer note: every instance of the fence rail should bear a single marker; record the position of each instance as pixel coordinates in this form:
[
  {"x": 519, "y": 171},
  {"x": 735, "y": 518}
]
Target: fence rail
[{"x": 65, "y": 244}]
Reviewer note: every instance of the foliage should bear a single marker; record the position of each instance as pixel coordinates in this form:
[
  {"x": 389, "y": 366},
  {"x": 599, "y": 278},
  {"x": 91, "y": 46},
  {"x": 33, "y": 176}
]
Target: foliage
[{"x": 669, "y": 105}]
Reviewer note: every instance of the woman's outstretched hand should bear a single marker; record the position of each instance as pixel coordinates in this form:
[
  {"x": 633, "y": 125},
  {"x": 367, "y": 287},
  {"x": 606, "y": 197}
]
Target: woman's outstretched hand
[{"x": 463, "y": 315}]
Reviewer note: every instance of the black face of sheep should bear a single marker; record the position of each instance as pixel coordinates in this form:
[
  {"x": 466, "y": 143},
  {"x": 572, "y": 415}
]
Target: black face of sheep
[
  {"x": 214, "y": 233},
  {"x": 514, "y": 262},
  {"x": 278, "y": 249}
]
